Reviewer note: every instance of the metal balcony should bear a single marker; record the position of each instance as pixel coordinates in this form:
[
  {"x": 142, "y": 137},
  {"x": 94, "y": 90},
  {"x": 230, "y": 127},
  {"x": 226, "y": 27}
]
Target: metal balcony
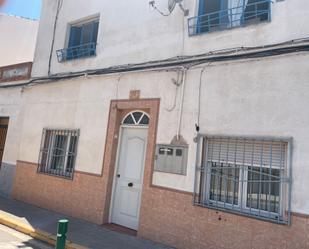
[
  {"x": 230, "y": 18},
  {"x": 77, "y": 52}
]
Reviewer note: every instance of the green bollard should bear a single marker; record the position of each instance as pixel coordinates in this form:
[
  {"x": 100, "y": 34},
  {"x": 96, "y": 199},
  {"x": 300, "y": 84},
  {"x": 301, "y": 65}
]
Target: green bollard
[{"x": 61, "y": 234}]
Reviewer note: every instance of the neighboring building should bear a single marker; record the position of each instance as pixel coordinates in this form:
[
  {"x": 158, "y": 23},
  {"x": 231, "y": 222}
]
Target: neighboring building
[
  {"x": 18, "y": 39},
  {"x": 108, "y": 123}
]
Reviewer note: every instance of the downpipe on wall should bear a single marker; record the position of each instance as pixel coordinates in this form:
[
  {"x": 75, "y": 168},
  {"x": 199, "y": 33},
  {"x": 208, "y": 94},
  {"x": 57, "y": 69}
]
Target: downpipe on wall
[
  {"x": 184, "y": 76},
  {"x": 177, "y": 83},
  {"x": 197, "y": 125}
]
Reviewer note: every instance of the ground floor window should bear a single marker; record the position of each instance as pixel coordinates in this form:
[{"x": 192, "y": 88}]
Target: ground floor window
[
  {"x": 244, "y": 175},
  {"x": 58, "y": 152}
]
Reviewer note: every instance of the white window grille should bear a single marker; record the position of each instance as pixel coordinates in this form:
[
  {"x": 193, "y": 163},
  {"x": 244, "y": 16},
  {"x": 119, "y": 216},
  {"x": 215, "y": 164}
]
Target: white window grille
[
  {"x": 58, "y": 152},
  {"x": 246, "y": 175},
  {"x": 139, "y": 118}
]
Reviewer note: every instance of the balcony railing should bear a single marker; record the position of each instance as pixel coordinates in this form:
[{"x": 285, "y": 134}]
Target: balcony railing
[
  {"x": 230, "y": 18},
  {"x": 76, "y": 52}
]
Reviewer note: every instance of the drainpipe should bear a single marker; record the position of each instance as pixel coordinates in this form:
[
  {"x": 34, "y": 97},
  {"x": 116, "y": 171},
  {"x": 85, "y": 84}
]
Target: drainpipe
[{"x": 184, "y": 74}]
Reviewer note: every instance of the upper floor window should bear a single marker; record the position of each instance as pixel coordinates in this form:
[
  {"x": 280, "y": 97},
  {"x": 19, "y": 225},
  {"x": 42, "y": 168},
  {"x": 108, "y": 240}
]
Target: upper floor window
[
  {"x": 82, "y": 41},
  {"x": 216, "y": 15}
]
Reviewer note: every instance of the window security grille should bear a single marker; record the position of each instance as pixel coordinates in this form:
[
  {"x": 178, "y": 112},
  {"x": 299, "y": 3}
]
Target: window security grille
[
  {"x": 250, "y": 176},
  {"x": 215, "y": 15},
  {"x": 58, "y": 152}
]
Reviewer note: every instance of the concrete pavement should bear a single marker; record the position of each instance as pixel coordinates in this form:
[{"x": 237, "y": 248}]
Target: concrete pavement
[
  {"x": 80, "y": 232},
  {"x": 11, "y": 239}
]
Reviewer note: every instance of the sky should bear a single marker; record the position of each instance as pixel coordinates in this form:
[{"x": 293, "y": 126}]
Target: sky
[{"x": 25, "y": 8}]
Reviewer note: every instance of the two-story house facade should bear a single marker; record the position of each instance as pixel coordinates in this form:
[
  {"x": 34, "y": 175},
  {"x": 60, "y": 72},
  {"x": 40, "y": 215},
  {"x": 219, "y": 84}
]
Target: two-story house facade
[{"x": 183, "y": 120}]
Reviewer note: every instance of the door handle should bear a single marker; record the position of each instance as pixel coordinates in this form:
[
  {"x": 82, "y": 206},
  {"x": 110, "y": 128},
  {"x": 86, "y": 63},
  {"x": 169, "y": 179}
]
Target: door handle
[{"x": 130, "y": 184}]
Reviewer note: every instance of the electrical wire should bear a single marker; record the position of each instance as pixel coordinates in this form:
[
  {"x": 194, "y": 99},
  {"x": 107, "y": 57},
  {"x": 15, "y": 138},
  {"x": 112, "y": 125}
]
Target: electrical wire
[
  {"x": 117, "y": 89},
  {"x": 185, "y": 69},
  {"x": 177, "y": 84},
  {"x": 197, "y": 126},
  {"x": 178, "y": 62},
  {"x": 153, "y": 5},
  {"x": 54, "y": 34}
]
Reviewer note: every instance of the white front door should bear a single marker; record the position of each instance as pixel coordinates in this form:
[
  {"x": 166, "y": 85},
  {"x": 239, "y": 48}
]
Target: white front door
[{"x": 129, "y": 177}]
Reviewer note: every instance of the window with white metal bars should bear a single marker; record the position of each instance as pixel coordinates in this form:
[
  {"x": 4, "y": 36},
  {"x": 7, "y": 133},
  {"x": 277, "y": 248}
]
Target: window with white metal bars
[
  {"x": 58, "y": 152},
  {"x": 245, "y": 175}
]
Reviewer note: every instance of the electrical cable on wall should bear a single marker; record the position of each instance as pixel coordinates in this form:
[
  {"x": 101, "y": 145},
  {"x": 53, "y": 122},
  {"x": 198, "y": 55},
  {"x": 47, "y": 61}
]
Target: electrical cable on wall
[
  {"x": 197, "y": 125},
  {"x": 153, "y": 5},
  {"x": 54, "y": 34},
  {"x": 117, "y": 89},
  {"x": 185, "y": 69},
  {"x": 177, "y": 84},
  {"x": 174, "y": 63}
]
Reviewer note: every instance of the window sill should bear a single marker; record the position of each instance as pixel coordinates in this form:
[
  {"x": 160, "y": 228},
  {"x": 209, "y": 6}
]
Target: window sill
[{"x": 67, "y": 176}]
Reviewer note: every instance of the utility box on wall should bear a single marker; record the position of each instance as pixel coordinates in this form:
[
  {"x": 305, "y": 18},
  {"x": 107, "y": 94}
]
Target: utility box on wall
[{"x": 171, "y": 159}]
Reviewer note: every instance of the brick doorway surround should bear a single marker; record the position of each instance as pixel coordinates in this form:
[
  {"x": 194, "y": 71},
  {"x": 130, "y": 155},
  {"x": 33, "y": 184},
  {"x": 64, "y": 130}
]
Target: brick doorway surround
[
  {"x": 87, "y": 196},
  {"x": 118, "y": 111}
]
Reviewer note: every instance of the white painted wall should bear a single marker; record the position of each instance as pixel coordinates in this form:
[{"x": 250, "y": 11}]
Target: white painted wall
[
  {"x": 17, "y": 45},
  {"x": 11, "y": 106},
  {"x": 18, "y": 39},
  {"x": 131, "y": 32},
  {"x": 270, "y": 101}
]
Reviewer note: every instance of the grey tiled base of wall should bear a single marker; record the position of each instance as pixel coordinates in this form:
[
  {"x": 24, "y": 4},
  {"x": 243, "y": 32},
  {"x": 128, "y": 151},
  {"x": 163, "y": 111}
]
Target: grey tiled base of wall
[{"x": 7, "y": 173}]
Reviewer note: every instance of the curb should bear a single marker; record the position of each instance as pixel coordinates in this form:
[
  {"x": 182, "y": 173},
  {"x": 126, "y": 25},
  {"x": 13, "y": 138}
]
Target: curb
[{"x": 35, "y": 233}]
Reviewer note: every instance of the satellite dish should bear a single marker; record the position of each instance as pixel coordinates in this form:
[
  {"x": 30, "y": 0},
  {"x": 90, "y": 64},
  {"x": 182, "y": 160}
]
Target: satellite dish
[{"x": 171, "y": 5}]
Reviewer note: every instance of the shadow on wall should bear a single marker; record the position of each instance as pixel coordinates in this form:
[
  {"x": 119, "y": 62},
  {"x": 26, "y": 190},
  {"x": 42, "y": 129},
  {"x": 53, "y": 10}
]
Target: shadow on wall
[{"x": 7, "y": 174}]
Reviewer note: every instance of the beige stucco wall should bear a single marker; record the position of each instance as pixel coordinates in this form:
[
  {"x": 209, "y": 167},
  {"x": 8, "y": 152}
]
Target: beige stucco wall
[
  {"x": 270, "y": 101},
  {"x": 132, "y": 32},
  {"x": 18, "y": 39},
  {"x": 267, "y": 97},
  {"x": 17, "y": 45},
  {"x": 10, "y": 106}
]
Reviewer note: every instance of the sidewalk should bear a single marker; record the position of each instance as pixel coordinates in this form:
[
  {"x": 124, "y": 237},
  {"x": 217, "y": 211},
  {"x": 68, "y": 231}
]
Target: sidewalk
[{"x": 80, "y": 232}]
